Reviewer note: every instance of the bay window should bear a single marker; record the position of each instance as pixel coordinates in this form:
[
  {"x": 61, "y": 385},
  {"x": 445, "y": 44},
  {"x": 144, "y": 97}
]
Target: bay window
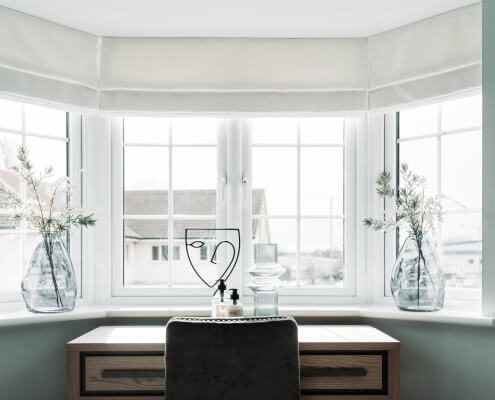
[{"x": 294, "y": 186}]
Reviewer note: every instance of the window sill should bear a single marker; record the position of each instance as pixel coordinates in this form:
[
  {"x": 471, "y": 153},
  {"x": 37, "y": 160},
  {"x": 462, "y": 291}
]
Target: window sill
[{"x": 15, "y": 314}]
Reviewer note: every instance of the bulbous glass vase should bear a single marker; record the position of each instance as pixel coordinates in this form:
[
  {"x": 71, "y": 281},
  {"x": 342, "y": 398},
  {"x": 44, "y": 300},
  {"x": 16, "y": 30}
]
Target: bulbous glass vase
[
  {"x": 49, "y": 283},
  {"x": 417, "y": 281}
]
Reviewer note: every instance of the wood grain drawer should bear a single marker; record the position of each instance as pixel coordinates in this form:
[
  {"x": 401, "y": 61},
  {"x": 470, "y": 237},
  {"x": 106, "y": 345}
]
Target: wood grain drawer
[
  {"x": 344, "y": 373},
  {"x": 122, "y": 374}
]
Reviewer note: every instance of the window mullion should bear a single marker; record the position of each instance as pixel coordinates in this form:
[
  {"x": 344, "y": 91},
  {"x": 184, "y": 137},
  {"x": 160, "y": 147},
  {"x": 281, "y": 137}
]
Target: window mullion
[
  {"x": 23, "y": 193},
  {"x": 298, "y": 219},
  {"x": 234, "y": 193},
  {"x": 439, "y": 172},
  {"x": 246, "y": 200},
  {"x": 170, "y": 199}
]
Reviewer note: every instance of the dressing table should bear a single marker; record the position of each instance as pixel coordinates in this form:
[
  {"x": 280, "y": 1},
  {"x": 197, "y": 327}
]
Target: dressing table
[{"x": 339, "y": 362}]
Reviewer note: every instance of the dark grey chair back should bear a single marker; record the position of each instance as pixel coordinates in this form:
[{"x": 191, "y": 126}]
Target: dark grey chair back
[{"x": 232, "y": 359}]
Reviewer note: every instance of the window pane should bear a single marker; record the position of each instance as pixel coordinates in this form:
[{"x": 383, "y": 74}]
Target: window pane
[
  {"x": 17, "y": 241},
  {"x": 322, "y": 255},
  {"x": 422, "y": 158},
  {"x": 10, "y": 115},
  {"x": 462, "y": 113},
  {"x": 10, "y": 251},
  {"x": 9, "y": 144},
  {"x": 203, "y": 235},
  {"x": 274, "y": 180},
  {"x": 194, "y": 130},
  {"x": 274, "y": 130},
  {"x": 46, "y": 121},
  {"x": 322, "y": 180},
  {"x": 195, "y": 180},
  {"x": 48, "y": 152},
  {"x": 322, "y": 130},
  {"x": 461, "y": 168},
  {"x": 461, "y": 235},
  {"x": 143, "y": 264},
  {"x": 419, "y": 121},
  {"x": 146, "y": 130},
  {"x": 283, "y": 233},
  {"x": 146, "y": 180}
]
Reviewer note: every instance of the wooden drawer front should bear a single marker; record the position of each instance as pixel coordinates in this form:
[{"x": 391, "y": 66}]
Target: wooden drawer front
[
  {"x": 122, "y": 374},
  {"x": 343, "y": 373}
]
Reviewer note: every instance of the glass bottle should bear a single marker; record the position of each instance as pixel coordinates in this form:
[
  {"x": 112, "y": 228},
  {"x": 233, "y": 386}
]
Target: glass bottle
[
  {"x": 219, "y": 303},
  {"x": 235, "y": 308}
]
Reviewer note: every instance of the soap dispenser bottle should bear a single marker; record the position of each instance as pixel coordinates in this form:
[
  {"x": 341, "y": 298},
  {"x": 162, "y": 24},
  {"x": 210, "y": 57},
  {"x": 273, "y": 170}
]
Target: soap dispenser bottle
[
  {"x": 235, "y": 307},
  {"x": 219, "y": 303}
]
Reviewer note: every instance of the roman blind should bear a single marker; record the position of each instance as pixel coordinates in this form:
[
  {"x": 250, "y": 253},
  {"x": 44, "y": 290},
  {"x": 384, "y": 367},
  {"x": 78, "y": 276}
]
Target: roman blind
[
  {"x": 47, "y": 62},
  {"x": 208, "y": 74},
  {"x": 431, "y": 58},
  {"x": 425, "y": 60}
]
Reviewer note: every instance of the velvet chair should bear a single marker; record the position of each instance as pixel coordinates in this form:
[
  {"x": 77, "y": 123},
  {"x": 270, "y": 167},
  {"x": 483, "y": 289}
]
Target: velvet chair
[{"x": 232, "y": 359}]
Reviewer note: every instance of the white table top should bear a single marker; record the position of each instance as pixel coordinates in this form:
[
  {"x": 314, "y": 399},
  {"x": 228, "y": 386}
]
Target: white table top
[{"x": 328, "y": 337}]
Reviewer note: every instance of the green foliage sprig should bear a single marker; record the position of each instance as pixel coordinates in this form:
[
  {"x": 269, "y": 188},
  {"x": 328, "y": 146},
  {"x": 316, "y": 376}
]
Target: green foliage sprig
[
  {"x": 48, "y": 205},
  {"x": 410, "y": 207}
]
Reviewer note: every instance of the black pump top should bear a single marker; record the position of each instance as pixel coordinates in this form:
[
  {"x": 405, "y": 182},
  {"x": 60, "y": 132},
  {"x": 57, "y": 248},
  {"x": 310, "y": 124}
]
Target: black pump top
[
  {"x": 222, "y": 287},
  {"x": 234, "y": 296}
]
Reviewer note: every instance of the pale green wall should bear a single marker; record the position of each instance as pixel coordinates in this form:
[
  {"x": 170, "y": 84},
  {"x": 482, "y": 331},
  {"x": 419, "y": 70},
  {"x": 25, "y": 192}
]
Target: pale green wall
[{"x": 32, "y": 359}]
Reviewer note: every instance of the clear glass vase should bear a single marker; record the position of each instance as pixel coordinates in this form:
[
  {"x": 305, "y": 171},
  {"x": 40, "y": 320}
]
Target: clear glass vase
[
  {"x": 417, "y": 281},
  {"x": 265, "y": 279},
  {"x": 49, "y": 283}
]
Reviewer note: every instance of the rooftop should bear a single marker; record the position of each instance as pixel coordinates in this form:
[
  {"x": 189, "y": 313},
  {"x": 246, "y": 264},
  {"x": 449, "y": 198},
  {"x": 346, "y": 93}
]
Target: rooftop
[{"x": 185, "y": 202}]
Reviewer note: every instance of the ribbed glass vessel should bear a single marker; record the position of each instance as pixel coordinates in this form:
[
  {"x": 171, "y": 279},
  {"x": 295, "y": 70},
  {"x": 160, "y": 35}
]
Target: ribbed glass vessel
[
  {"x": 49, "y": 283},
  {"x": 265, "y": 279},
  {"x": 417, "y": 281}
]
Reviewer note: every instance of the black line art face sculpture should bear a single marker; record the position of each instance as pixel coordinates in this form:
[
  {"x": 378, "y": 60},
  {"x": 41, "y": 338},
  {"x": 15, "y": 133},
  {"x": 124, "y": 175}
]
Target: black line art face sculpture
[{"x": 231, "y": 249}]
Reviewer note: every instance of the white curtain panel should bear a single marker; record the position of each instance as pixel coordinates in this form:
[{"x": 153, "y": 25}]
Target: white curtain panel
[
  {"x": 435, "y": 57},
  {"x": 50, "y": 63},
  {"x": 47, "y": 61}
]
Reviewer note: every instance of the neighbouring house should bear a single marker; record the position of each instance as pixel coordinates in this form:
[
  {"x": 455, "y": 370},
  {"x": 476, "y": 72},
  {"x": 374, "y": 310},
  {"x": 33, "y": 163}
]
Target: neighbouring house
[
  {"x": 462, "y": 263},
  {"x": 152, "y": 259}
]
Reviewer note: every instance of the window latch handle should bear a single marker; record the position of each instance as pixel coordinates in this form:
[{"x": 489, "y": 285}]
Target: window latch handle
[
  {"x": 223, "y": 182},
  {"x": 244, "y": 181}
]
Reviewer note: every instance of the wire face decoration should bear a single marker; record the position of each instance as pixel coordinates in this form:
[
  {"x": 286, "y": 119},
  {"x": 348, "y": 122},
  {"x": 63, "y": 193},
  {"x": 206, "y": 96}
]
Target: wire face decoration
[{"x": 203, "y": 267}]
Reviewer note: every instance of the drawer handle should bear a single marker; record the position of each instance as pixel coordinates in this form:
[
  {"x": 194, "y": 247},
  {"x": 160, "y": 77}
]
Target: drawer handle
[
  {"x": 326, "y": 371},
  {"x": 133, "y": 373}
]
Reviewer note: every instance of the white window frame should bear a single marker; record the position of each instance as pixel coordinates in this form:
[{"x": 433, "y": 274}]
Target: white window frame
[
  {"x": 74, "y": 161},
  {"x": 383, "y": 136},
  {"x": 119, "y": 292},
  {"x": 307, "y": 294},
  {"x": 234, "y": 210}
]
